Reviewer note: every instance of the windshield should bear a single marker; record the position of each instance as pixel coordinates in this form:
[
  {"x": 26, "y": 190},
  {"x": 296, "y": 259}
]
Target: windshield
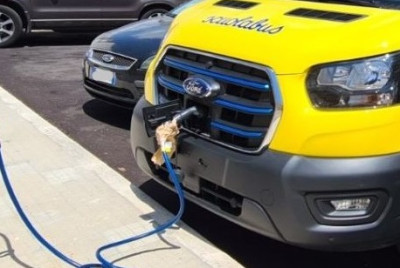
[
  {"x": 394, "y": 4},
  {"x": 173, "y": 13}
]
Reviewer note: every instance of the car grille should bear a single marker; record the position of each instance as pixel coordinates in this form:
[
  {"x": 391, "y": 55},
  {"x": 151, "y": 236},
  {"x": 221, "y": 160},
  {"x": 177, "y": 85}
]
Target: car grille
[
  {"x": 240, "y": 116},
  {"x": 119, "y": 60}
]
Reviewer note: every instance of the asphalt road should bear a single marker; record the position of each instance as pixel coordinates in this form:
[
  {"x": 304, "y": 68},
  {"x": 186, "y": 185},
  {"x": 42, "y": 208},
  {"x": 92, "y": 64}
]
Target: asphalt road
[{"x": 44, "y": 72}]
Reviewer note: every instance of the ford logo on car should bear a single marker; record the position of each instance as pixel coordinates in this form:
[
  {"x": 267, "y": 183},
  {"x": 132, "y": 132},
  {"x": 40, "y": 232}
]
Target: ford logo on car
[
  {"x": 108, "y": 58},
  {"x": 201, "y": 86}
]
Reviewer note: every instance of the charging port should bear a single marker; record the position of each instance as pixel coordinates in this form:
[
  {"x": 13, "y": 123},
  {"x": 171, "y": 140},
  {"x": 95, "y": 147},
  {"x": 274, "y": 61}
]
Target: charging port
[{"x": 158, "y": 114}]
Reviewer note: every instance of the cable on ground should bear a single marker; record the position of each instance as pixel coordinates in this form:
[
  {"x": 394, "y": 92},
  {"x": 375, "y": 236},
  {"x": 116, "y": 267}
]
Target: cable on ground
[{"x": 103, "y": 263}]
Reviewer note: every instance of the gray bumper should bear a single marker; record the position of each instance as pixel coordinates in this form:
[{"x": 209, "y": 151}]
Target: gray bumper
[{"x": 278, "y": 192}]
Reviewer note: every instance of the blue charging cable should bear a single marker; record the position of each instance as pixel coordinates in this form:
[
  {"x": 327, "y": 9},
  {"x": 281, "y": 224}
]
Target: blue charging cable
[
  {"x": 160, "y": 228},
  {"x": 103, "y": 262}
]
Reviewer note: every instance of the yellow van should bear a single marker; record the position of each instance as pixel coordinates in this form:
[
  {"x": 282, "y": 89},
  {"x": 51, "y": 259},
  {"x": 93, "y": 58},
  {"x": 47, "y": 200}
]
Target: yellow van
[{"x": 298, "y": 136}]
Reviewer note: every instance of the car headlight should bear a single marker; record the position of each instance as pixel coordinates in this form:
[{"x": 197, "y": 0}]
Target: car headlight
[
  {"x": 145, "y": 65},
  {"x": 89, "y": 53},
  {"x": 362, "y": 83}
]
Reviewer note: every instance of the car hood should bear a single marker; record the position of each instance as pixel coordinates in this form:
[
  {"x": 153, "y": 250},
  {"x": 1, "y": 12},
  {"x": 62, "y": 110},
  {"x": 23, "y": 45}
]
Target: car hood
[
  {"x": 138, "y": 40},
  {"x": 288, "y": 36}
]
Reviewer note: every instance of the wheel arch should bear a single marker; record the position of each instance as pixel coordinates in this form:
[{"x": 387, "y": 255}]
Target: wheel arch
[
  {"x": 21, "y": 11},
  {"x": 154, "y": 5}
]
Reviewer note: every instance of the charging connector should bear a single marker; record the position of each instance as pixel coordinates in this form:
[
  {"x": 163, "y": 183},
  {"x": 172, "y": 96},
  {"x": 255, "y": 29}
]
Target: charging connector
[
  {"x": 182, "y": 115},
  {"x": 156, "y": 115},
  {"x": 167, "y": 132}
]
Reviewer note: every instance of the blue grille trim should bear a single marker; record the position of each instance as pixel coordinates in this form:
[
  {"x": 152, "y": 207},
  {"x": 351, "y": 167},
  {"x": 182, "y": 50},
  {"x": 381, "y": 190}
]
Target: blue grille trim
[
  {"x": 220, "y": 102},
  {"x": 243, "y": 108},
  {"x": 226, "y": 78},
  {"x": 168, "y": 84},
  {"x": 236, "y": 131}
]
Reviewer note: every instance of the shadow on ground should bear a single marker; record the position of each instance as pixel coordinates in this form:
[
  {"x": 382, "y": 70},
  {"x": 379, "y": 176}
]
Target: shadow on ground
[
  {"x": 50, "y": 38},
  {"x": 9, "y": 252},
  {"x": 109, "y": 114}
]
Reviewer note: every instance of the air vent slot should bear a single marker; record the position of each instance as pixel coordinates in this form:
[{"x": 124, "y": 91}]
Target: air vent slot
[
  {"x": 324, "y": 15},
  {"x": 236, "y": 4}
]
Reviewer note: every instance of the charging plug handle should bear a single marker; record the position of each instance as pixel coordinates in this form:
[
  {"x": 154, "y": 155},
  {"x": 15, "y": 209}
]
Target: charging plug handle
[{"x": 179, "y": 117}]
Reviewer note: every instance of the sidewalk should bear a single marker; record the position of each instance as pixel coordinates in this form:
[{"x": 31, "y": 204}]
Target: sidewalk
[{"x": 78, "y": 203}]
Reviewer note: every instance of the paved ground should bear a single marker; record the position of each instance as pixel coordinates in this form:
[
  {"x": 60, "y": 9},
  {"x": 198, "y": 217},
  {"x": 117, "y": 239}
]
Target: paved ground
[
  {"x": 44, "y": 73},
  {"x": 79, "y": 203}
]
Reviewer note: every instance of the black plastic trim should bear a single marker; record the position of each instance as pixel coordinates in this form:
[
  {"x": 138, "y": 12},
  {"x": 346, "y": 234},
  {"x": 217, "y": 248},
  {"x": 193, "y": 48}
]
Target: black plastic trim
[
  {"x": 324, "y": 15},
  {"x": 236, "y": 4}
]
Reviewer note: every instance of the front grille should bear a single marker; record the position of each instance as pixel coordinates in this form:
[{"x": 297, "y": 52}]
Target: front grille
[
  {"x": 226, "y": 200},
  {"x": 119, "y": 60},
  {"x": 240, "y": 116}
]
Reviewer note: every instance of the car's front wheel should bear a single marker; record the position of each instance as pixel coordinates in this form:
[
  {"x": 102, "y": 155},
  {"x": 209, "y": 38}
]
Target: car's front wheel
[{"x": 10, "y": 26}]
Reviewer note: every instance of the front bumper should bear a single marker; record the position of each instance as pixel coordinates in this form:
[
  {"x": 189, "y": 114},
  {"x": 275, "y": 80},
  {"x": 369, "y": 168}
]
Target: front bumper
[
  {"x": 125, "y": 90},
  {"x": 272, "y": 193}
]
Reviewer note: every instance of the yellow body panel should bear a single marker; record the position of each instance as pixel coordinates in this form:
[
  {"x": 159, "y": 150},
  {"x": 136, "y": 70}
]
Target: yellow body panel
[
  {"x": 306, "y": 130},
  {"x": 297, "y": 45}
]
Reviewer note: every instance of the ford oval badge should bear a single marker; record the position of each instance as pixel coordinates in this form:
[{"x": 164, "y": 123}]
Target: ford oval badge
[
  {"x": 108, "y": 58},
  {"x": 201, "y": 86}
]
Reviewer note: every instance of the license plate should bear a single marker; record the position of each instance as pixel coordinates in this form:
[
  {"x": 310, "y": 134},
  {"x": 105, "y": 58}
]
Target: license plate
[{"x": 102, "y": 75}]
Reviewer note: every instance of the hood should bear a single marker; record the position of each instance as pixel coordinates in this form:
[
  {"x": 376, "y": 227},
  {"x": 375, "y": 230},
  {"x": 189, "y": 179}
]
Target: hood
[
  {"x": 286, "y": 35},
  {"x": 138, "y": 40}
]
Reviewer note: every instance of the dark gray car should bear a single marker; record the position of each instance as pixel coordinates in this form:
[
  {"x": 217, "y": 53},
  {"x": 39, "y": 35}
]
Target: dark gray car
[
  {"x": 116, "y": 62},
  {"x": 21, "y": 16}
]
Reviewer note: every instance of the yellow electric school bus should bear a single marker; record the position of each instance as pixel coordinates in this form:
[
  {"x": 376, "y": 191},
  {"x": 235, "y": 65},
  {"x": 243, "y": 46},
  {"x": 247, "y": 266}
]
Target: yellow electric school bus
[{"x": 297, "y": 135}]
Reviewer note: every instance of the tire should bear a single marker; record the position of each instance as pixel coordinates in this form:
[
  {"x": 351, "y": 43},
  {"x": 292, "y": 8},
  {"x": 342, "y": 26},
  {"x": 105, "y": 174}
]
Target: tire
[
  {"x": 153, "y": 13},
  {"x": 10, "y": 26}
]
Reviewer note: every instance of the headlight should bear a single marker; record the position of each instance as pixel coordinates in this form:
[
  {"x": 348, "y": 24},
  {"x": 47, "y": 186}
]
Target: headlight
[
  {"x": 145, "y": 65},
  {"x": 89, "y": 53},
  {"x": 85, "y": 65},
  {"x": 362, "y": 83}
]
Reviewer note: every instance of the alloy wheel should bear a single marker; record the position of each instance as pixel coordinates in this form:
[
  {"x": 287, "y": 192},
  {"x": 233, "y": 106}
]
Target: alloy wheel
[{"x": 7, "y": 27}]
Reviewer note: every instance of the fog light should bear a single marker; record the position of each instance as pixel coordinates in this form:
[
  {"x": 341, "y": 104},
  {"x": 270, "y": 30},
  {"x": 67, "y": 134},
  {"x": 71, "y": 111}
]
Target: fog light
[
  {"x": 358, "y": 204},
  {"x": 347, "y": 208}
]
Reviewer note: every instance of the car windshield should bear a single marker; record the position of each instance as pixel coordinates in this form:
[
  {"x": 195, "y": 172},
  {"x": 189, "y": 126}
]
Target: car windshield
[
  {"x": 173, "y": 13},
  {"x": 394, "y": 4}
]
